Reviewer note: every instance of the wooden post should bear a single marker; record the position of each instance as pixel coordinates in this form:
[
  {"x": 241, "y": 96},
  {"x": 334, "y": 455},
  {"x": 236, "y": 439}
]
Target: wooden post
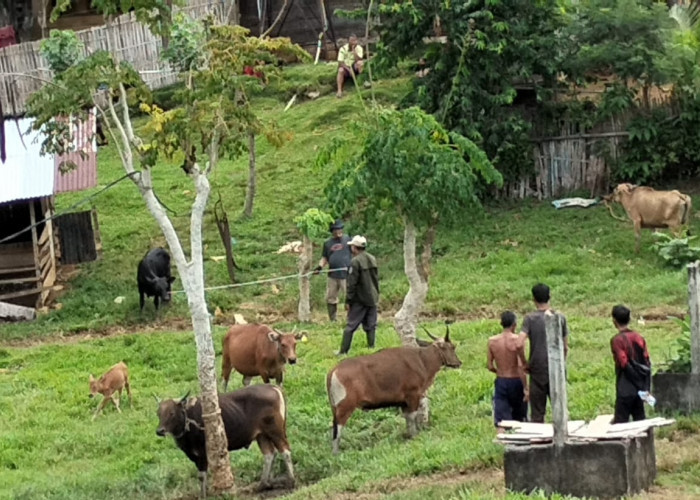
[
  {"x": 35, "y": 247},
  {"x": 694, "y": 306},
  {"x": 557, "y": 377}
]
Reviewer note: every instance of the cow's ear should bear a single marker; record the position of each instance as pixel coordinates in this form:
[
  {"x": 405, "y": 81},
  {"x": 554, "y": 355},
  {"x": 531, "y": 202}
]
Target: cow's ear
[
  {"x": 92, "y": 379},
  {"x": 171, "y": 279},
  {"x": 301, "y": 336},
  {"x": 273, "y": 336}
]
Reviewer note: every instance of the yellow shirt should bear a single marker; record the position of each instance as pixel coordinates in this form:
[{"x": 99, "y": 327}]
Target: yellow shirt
[{"x": 346, "y": 56}]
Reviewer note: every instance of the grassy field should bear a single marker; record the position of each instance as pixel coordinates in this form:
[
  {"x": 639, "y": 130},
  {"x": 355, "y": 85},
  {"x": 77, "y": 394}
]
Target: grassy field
[{"x": 49, "y": 448}]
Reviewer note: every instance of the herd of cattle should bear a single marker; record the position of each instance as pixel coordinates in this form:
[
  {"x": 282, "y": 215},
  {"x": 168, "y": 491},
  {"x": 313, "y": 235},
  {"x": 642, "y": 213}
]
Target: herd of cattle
[{"x": 396, "y": 377}]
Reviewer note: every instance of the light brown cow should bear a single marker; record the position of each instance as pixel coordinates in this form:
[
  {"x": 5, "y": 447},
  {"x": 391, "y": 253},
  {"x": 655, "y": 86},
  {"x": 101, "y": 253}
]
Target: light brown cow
[
  {"x": 397, "y": 377},
  {"x": 115, "y": 380},
  {"x": 652, "y": 209},
  {"x": 258, "y": 350}
]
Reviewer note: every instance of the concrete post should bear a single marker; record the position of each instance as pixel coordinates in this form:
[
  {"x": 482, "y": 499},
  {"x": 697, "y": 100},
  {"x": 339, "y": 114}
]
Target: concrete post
[
  {"x": 694, "y": 306},
  {"x": 557, "y": 378}
]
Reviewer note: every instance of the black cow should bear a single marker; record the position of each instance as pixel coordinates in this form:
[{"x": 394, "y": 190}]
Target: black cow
[
  {"x": 154, "y": 277},
  {"x": 254, "y": 413}
]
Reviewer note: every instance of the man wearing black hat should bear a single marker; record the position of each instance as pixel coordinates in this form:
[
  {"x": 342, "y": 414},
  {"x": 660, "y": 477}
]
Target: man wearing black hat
[{"x": 336, "y": 254}]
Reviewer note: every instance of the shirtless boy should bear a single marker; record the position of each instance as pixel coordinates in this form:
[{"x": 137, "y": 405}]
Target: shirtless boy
[{"x": 507, "y": 350}]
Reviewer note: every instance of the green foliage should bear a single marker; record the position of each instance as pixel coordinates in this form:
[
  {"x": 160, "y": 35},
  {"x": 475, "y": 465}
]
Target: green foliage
[
  {"x": 186, "y": 43},
  {"x": 407, "y": 162},
  {"x": 314, "y": 223},
  {"x": 61, "y": 50},
  {"x": 676, "y": 252},
  {"x": 493, "y": 45},
  {"x": 620, "y": 38},
  {"x": 680, "y": 362}
]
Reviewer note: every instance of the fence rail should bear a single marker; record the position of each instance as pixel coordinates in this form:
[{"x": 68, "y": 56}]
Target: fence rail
[{"x": 23, "y": 71}]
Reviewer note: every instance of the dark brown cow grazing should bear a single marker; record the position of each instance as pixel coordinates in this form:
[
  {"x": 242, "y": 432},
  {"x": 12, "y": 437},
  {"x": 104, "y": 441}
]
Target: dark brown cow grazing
[
  {"x": 258, "y": 350},
  {"x": 256, "y": 413},
  {"x": 397, "y": 377}
]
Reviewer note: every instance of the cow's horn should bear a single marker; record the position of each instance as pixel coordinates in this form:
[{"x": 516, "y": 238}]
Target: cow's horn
[
  {"x": 447, "y": 333},
  {"x": 294, "y": 329},
  {"x": 429, "y": 334},
  {"x": 184, "y": 398},
  {"x": 156, "y": 398}
]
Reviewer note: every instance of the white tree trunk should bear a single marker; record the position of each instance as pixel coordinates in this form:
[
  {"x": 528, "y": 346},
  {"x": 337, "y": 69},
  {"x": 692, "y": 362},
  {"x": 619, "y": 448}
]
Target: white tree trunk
[
  {"x": 406, "y": 319},
  {"x": 252, "y": 177},
  {"x": 305, "y": 258},
  {"x": 192, "y": 277}
]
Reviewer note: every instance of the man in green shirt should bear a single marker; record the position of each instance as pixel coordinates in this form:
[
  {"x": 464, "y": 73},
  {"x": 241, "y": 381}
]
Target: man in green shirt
[
  {"x": 362, "y": 294},
  {"x": 349, "y": 62}
]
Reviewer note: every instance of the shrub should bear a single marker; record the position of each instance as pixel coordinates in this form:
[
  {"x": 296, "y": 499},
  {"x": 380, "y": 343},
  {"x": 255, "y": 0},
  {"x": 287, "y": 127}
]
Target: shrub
[
  {"x": 680, "y": 361},
  {"x": 676, "y": 252}
]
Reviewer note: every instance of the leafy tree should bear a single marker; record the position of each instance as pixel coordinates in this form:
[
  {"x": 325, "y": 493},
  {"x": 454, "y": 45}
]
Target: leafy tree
[
  {"x": 61, "y": 50},
  {"x": 408, "y": 166},
  {"x": 492, "y": 45},
  {"x": 312, "y": 224},
  {"x": 213, "y": 120}
]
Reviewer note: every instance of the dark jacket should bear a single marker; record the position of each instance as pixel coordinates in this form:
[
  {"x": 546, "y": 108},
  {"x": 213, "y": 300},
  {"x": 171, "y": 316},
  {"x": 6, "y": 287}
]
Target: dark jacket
[
  {"x": 628, "y": 346},
  {"x": 363, "y": 281}
]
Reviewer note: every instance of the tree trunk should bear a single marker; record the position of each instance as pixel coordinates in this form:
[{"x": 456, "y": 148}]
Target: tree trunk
[
  {"x": 192, "y": 277},
  {"x": 250, "y": 193},
  {"x": 304, "y": 283},
  {"x": 406, "y": 319}
]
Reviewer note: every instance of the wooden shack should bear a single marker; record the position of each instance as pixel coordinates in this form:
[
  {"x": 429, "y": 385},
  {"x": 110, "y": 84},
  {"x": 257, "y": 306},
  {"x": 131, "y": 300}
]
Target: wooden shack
[{"x": 29, "y": 250}]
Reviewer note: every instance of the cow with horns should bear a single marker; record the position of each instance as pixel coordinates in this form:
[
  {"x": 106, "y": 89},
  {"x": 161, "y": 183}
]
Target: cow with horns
[
  {"x": 396, "y": 377},
  {"x": 258, "y": 350},
  {"x": 256, "y": 413}
]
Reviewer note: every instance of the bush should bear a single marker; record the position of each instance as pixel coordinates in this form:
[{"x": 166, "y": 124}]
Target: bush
[
  {"x": 676, "y": 252},
  {"x": 680, "y": 362}
]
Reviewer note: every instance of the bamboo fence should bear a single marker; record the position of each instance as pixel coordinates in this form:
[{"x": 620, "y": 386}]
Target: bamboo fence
[{"x": 23, "y": 71}]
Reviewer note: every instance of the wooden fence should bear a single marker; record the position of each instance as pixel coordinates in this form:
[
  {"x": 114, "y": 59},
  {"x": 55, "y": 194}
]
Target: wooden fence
[{"x": 23, "y": 71}]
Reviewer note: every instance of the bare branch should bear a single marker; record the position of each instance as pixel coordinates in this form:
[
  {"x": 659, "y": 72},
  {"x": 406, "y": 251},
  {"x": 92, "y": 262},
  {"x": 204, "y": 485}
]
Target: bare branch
[
  {"x": 277, "y": 19},
  {"x": 38, "y": 78},
  {"x": 128, "y": 157}
]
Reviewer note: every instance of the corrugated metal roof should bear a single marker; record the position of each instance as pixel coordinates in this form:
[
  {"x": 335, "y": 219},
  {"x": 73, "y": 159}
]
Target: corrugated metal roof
[
  {"x": 25, "y": 173},
  {"x": 84, "y": 176}
]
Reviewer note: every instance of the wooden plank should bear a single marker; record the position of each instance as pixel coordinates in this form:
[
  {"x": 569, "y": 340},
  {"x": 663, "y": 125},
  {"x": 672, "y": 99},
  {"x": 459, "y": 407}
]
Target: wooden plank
[
  {"x": 14, "y": 312},
  {"x": 22, "y": 293},
  {"x": 557, "y": 377},
  {"x": 18, "y": 281},
  {"x": 17, "y": 270},
  {"x": 694, "y": 305}
]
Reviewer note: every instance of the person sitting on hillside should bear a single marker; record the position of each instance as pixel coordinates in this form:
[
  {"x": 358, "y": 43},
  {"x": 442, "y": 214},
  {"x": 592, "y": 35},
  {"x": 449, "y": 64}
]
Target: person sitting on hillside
[{"x": 350, "y": 62}]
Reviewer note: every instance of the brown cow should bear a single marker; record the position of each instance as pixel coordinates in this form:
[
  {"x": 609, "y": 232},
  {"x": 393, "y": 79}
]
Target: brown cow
[
  {"x": 254, "y": 350},
  {"x": 256, "y": 413},
  {"x": 652, "y": 209},
  {"x": 115, "y": 380},
  {"x": 397, "y": 377}
]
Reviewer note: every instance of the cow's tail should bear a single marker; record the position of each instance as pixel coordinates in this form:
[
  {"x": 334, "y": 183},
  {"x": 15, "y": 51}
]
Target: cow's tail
[{"x": 687, "y": 206}]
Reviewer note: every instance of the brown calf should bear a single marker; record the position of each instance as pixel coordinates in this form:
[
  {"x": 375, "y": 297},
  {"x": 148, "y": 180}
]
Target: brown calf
[
  {"x": 115, "y": 380},
  {"x": 258, "y": 350},
  {"x": 648, "y": 208},
  {"x": 397, "y": 377}
]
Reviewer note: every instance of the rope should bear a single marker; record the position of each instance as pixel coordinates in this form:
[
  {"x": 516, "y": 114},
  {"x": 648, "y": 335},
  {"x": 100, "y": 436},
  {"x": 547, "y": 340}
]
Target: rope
[
  {"x": 267, "y": 280},
  {"x": 74, "y": 205}
]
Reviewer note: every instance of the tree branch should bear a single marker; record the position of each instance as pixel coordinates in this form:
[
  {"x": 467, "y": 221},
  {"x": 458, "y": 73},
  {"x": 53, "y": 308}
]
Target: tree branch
[
  {"x": 128, "y": 157},
  {"x": 274, "y": 23}
]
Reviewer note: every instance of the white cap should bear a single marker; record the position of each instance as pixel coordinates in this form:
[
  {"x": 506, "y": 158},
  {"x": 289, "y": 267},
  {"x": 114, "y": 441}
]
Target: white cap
[{"x": 358, "y": 241}]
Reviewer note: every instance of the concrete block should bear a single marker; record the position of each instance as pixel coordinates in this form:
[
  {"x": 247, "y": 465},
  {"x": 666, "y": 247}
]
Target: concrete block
[
  {"x": 676, "y": 392},
  {"x": 602, "y": 469}
]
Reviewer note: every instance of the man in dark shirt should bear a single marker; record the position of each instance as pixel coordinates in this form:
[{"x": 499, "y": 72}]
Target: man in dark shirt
[
  {"x": 362, "y": 294},
  {"x": 336, "y": 254},
  {"x": 627, "y": 348},
  {"x": 538, "y": 363}
]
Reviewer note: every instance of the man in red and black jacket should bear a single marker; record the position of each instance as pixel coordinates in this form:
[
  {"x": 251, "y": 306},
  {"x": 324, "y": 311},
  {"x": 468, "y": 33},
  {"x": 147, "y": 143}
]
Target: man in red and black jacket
[{"x": 629, "y": 350}]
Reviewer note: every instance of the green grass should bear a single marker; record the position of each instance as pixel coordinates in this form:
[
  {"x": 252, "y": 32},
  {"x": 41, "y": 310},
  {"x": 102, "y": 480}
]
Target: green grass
[{"x": 49, "y": 448}]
